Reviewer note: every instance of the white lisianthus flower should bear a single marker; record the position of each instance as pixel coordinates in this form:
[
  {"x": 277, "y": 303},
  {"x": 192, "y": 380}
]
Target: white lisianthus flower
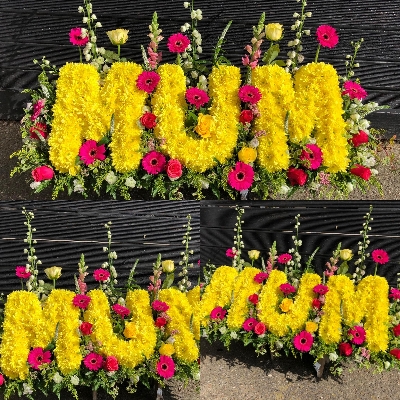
[
  {"x": 130, "y": 182},
  {"x": 333, "y": 356},
  {"x": 27, "y": 388},
  {"x": 34, "y": 185},
  {"x": 223, "y": 330},
  {"x": 350, "y": 186},
  {"x": 111, "y": 178},
  {"x": 57, "y": 378},
  {"x": 74, "y": 380},
  {"x": 284, "y": 189},
  {"x": 234, "y": 335}
]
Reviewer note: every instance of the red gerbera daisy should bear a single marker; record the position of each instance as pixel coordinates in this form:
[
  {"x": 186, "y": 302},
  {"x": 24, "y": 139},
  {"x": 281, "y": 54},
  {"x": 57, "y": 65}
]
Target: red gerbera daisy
[
  {"x": 287, "y": 288},
  {"x": 37, "y": 357},
  {"x": 101, "y": 275},
  {"x": 81, "y": 301},
  {"x": 241, "y": 177},
  {"x": 249, "y": 324},
  {"x": 159, "y": 306},
  {"x": 380, "y": 256},
  {"x": 121, "y": 310},
  {"x": 218, "y": 313},
  {"x": 75, "y": 37},
  {"x": 197, "y": 97},
  {"x": 303, "y": 341},
  {"x": 166, "y": 367},
  {"x": 249, "y": 94},
  {"x": 40, "y": 128},
  {"x": 178, "y": 43},
  {"x": 90, "y": 152},
  {"x": 147, "y": 81},
  {"x": 93, "y": 361},
  {"x": 312, "y": 156},
  {"x": 354, "y": 90},
  {"x": 154, "y": 162},
  {"x": 284, "y": 258},
  {"x": 261, "y": 277},
  {"x": 357, "y": 334},
  {"x": 327, "y": 36}
]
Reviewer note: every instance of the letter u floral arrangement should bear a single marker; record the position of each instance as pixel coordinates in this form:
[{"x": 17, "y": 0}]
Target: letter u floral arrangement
[
  {"x": 109, "y": 125},
  {"x": 109, "y": 336},
  {"x": 285, "y": 307}
]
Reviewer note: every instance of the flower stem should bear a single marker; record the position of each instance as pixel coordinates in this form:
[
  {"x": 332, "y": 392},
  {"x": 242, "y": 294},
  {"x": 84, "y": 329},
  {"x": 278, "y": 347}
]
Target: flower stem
[
  {"x": 22, "y": 284},
  {"x": 54, "y": 283},
  {"x": 376, "y": 268},
  {"x": 316, "y": 56},
  {"x": 80, "y": 54},
  {"x": 119, "y": 50}
]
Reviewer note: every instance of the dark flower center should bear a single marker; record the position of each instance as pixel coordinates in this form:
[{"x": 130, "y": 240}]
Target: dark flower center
[
  {"x": 154, "y": 161},
  {"x": 164, "y": 367},
  {"x": 240, "y": 176},
  {"x": 39, "y": 359},
  {"x": 149, "y": 81},
  {"x": 303, "y": 341},
  {"x": 93, "y": 152},
  {"x": 93, "y": 361},
  {"x": 325, "y": 36},
  {"x": 356, "y": 334},
  {"x": 178, "y": 43},
  {"x": 197, "y": 97}
]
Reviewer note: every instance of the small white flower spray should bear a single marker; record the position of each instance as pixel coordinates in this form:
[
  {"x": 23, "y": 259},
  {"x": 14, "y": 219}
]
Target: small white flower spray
[
  {"x": 184, "y": 284},
  {"x": 238, "y": 244}
]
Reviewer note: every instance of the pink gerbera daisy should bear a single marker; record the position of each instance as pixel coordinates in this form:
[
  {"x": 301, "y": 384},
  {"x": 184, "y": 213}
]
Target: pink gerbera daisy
[
  {"x": 76, "y": 37},
  {"x": 380, "y": 256},
  {"x": 321, "y": 289},
  {"x": 303, "y": 341},
  {"x": 218, "y": 313},
  {"x": 394, "y": 293},
  {"x": 357, "y": 334},
  {"x": 249, "y": 94},
  {"x": 284, "y": 258},
  {"x": 93, "y": 361},
  {"x": 241, "y": 176},
  {"x": 166, "y": 367},
  {"x": 154, "y": 162},
  {"x": 261, "y": 277},
  {"x": 327, "y": 36},
  {"x": 121, "y": 310},
  {"x": 159, "y": 306},
  {"x": 312, "y": 156},
  {"x": 37, "y": 357},
  {"x": 101, "y": 275},
  {"x": 197, "y": 97},
  {"x": 37, "y": 108},
  {"x": 354, "y": 90},
  {"x": 81, "y": 301},
  {"x": 90, "y": 152},
  {"x": 21, "y": 272},
  {"x": 147, "y": 81},
  {"x": 287, "y": 288},
  {"x": 249, "y": 324},
  {"x": 178, "y": 43}
]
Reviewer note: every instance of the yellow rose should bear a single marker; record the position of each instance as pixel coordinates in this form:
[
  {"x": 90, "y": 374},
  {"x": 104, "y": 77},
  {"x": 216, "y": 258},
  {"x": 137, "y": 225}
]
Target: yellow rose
[
  {"x": 273, "y": 31},
  {"x": 168, "y": 266},
  {"x": 247, "y": 155},
  {"x": 253, "y": 254},
  {"x": 286, "y": 305},
  {"x": 53, "y": 273},
  {"x": 205, "y": 124},
  {"x": 167, "y": 350},
  {"x": 311, "y": 326},
  {"x": 346, "y": 254},
  {"x": 118, "y": 36},
  {"x": 130, "y": 330}
]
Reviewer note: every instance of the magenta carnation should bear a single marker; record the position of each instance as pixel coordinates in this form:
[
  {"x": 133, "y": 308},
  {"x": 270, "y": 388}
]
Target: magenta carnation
[
  {"x": 197, "y": 97},
  {"x": 327, "y": 36},
  {"x": 101, "y": 275},
  {"x": 312, "y": 156},
  {"x": 241, "y": 176},
  {"x": 178, "y": 43},
  {"x": 380, "y": 256},
  {"x": 90, "y": 152},
  {"x": 21, "y": 272},
  {"x": 93, "y": 361},
  {"x": 166, "y": 367},
  {"x": 81, "y": 301},
  {"x": 353, "y": 90},
  {"x": 284, "y": 258},
  {"x": 249, "y": 94},
  {"x": 321, "y": 289},
  {"x": 261, "y": 277},
  {"x": 37, "y": 357},
  {"x": 159, "y": 306},
  {"x": 303, "y": 341},
  {"x": 154, "y": 162},
  {"x": 147, "y": 81},
  {"x": 287, "y": 288},
  {"x": 229, "y": 253},
  {"x": 218, "y": 313},
  {"x": 394, "y": 293},
  {"x": 121, "y": 310},
  {"x": 75, "y": 37},
  {"x": 37, "y": 108},
  {"x": 249, "y": 324},
  {"x": 357, "y": 334}
]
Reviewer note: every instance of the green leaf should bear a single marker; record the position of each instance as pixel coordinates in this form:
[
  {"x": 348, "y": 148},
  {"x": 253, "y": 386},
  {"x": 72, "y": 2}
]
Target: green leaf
[
  {"x": 104, "y": 140},
  {"x": 281, "y": 63},
  {"x": 343, "y": 268},
  {"x": 271, "y": 54},
  {"x": 168, "y": 281}
]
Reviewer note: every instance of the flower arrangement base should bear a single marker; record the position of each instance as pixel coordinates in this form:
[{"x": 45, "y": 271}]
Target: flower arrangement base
[
  {"x": 159, "y": 394},
  {"x": 320, "y": 365},
  {"x": 94, "y": 395}
]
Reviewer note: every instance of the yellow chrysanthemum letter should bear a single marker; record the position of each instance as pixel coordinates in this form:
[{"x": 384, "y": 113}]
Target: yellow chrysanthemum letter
[{"x": 78, "y": 115}]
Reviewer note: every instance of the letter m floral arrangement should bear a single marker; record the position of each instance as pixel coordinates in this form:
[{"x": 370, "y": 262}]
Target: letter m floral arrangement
[
  {"x": 286, "y": 307},
  {"x": 57, "y": 339},
  {"x": 110, "y": 125}
]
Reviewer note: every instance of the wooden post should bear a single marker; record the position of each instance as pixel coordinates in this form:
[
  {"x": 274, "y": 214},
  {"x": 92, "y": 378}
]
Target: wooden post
[
  {"x": 94, "y": 394},
  {"x": 320, "y": 365}
]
